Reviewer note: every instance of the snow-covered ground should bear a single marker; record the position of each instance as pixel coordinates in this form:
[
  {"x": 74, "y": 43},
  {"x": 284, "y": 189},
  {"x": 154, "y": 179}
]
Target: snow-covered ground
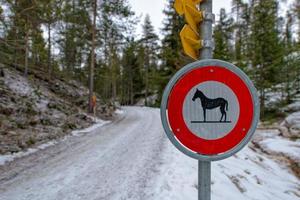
[
  {"x": 11, "y": 157},
  {"x": 133, "y": 159},
  {"x": 247, "y": 176}
]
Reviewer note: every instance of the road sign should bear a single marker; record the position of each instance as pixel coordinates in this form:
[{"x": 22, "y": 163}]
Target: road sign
[
  {"x": 210, "y": 110},
  {"x": 190, "y": 42},
  {"x": 191, "y": 13},
  {"x": 190, "y": 34}
]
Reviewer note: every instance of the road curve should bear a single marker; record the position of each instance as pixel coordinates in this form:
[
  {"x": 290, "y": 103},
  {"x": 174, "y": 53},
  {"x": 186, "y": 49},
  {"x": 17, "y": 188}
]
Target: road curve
[{"x": 117, "y": 161}]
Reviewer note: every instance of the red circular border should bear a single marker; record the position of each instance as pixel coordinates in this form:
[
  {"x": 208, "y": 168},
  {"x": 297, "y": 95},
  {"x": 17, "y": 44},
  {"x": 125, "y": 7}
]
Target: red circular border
[{"x": 175, "y": 105}]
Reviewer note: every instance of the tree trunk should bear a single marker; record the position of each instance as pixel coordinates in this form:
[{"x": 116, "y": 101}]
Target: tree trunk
[
  {"x": 49, "y": 50},
  {"x": 146, "y": 87},
  {"x": 26, "y": 50},
  {"x": 15, "y": 48},
  {"x": 131, "y": 89},
  {"x": 91, "y": 74},
  {"x": 262, "y": 102},
  {"x": 114, "y": 83}
]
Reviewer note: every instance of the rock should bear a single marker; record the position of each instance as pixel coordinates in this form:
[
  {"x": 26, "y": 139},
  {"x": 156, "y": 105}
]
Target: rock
[
  {"x": 81, "y": 116},
  {"x": 2, "y": 74},
  {"x": 34, "y": 120},
  {"x": 284, "y": 131},
  {"x": 290, "y": 127},
  {"x": 6, "y": 110},
  {"x": 12, "y": 133},
  {"x": 30, "y": 109},
  {"x": 21, "y": 123},
  {"x": 12, "y": 149},
  {"x": 46, "y": 122}
]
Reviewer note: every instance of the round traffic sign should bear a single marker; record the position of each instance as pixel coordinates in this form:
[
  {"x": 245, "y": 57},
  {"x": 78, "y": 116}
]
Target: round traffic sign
[{"x": 210, "y": 110}]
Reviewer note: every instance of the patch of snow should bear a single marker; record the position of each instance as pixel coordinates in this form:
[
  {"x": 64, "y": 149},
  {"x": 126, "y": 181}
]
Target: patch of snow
[
  {"x": 42, "y": 104},
  {"x": 151, "y": 100},
  {"x": 119, "y": 112},
  {"x": 99, "y": 123},
  {"x": 293, "y": 120},
  {"x": 18, "y": 84},
  {"x": 247, "y": 175},
  {"x": 294, "y": 106},
  {"x": 11, "y": 157},
  {"x": 273, "y": 98},
  {"x": 282, "y": 146}
]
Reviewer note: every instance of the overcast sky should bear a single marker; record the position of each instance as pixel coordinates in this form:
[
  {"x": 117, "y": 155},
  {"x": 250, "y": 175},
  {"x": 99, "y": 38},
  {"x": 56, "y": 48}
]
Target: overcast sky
[{"x": 155, "y": 7}]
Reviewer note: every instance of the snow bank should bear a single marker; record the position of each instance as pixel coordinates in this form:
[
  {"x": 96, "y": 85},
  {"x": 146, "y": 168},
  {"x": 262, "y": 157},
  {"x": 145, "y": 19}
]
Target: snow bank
[
  {"x": 99, "y": 123},
  {"x": 290, "y": 127},
  {"x": 18, "y": 84},
  {"x": 294, "y": 106},
  {"x": 10, "y": 157},
  {"x": 294, "y": 120},
  {"x": 282, "y": 146},
  {"x": 119, "y": 112},
  {"x": 247, "y": 176}
]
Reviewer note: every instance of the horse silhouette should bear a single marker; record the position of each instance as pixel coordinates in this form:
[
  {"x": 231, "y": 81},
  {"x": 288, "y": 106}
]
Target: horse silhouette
[{"x": 210, "y": 104}]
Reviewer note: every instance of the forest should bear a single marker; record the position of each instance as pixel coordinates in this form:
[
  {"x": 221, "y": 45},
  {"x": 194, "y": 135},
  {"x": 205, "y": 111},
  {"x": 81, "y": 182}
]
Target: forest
[{"x": 95, "y": 42}]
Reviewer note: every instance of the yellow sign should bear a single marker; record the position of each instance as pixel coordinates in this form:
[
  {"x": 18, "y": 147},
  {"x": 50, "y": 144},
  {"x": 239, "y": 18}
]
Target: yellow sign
[
  {"x": 190, "y": 41},
  {"x": 189, "y": 9},
  {"x": 178, "y": 5}
]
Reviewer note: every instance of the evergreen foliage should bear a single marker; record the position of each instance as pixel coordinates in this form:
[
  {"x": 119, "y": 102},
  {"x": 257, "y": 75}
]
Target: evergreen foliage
[{"x": 95, "y": 42}]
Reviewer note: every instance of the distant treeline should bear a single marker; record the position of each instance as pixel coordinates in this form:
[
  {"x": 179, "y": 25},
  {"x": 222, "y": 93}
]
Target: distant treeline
[{"x": 96, "y": 42}]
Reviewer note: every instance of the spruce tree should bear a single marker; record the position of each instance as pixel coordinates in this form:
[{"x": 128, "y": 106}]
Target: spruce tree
[
  {"x": 296, "y": 11},
  {"x": 50, "y": 15},
  {"x": 241, "y": 30},
  {"x": 172, "y": 55},
  {"x": 222, "y": 36},
  {"x": 149, "y": 42},
  {"x": 74, "y": 37},
  {"x": 115, "y": 24},
  {"x": 267, "y": 51}
]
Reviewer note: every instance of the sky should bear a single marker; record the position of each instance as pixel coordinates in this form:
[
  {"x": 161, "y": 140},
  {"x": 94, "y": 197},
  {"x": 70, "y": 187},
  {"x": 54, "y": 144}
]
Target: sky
[{"x": 155, "y": 7}]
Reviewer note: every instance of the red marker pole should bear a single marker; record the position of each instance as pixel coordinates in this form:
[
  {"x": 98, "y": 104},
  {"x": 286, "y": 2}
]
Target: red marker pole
[{"x": 204, "y": 167}]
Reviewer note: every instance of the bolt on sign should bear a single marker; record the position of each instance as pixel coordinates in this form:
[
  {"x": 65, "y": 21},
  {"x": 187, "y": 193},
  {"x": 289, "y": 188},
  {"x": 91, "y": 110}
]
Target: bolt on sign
[{"x": 210, "y": 110}]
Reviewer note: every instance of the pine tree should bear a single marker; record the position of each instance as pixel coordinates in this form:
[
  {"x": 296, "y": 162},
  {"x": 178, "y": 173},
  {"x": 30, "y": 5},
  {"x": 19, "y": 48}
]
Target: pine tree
[
  {"x": 287, "y": 64},
  {"x": 132, "y": 78},
  {"x": 51, "y": 13},
  {"x": 241, "y": 29},
  {"x": 92, "y": 64},
  {"x": 115, "y": 23},
  {"x": 24, "y": 37},
  {"x": 296, "y": 11},
  {"x": 150, "y": 46},
  {"x": 267, "y": 51},
  {"x": 75, "y": 35},
  {"x": 171, "y": 54},
  {"x": 222, "y": 36}
]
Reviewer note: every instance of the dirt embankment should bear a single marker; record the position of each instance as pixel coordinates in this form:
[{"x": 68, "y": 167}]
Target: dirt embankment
[{"x": 35, "y": 109}]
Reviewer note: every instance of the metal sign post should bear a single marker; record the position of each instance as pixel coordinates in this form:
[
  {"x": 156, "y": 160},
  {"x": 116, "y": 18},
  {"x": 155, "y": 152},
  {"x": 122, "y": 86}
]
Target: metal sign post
[
  {"x": 204, "y": 167},
  {"x": 209, "y": 111},
  {"x": 210, "y": 108}
]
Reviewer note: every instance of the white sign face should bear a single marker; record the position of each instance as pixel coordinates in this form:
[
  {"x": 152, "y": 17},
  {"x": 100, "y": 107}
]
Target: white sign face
[{"x": 211, "y": 110}]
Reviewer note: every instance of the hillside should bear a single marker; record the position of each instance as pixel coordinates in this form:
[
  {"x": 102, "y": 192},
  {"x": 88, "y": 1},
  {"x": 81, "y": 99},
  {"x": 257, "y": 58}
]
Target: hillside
[{"x": 36, "y": 109}]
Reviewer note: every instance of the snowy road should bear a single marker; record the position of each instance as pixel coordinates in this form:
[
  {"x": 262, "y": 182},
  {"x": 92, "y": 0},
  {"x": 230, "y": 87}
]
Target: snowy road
[
  {"x": 132, "y": 159},
  {"x": 115, "y": 162}
]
